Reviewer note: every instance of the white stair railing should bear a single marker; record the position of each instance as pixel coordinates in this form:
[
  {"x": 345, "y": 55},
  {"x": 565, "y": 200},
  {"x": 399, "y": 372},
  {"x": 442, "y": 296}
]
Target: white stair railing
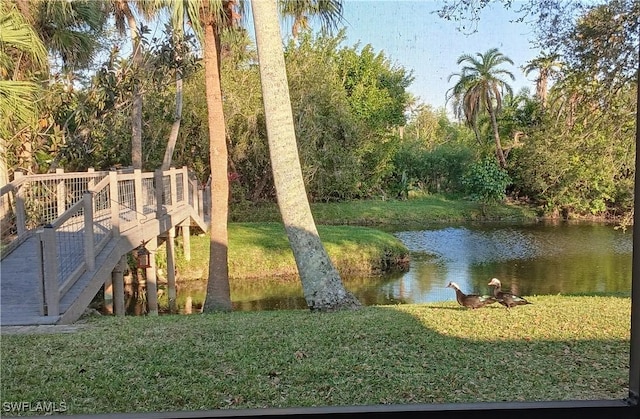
[{"x": 108, "y": 208}]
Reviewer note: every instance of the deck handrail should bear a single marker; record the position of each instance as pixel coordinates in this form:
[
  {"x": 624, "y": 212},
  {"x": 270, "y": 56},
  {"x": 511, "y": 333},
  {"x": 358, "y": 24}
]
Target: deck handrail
[
  {"x": 29, "y": 202},
  {"x": 110, "y": 204}
]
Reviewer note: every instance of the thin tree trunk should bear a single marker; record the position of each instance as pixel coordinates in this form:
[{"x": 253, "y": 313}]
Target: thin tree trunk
[
  {"x": 175, "y": 127},
  {"x": 218, "y": 292},
  {"x": 496, "y": 136},
  {"x": 136, "y": 109},
  {"x": 542, "y": 90},
  {"x": 321, "y": 283}
]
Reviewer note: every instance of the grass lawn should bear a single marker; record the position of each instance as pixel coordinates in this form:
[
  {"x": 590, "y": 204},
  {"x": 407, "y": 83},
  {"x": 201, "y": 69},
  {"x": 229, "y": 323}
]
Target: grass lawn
[
  {"x": 416, "y": 211},
  {"x": 259, "y": 250},
  {"x": 558, "y": 348}
]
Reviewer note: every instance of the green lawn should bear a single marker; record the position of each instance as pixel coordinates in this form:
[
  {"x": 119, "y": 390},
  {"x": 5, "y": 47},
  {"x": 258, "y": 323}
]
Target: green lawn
[
  {"x": 415, "y": 211},
  {"x": 262, "y": 250},
  {"x": 558, "y": 348}
]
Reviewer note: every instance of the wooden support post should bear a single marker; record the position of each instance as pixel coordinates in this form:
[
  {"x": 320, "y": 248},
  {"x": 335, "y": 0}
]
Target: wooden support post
[
  {"x": 91, "y": 182},
  {"x": 50, "y": 270},
  {"x": 186, "y": 239},
  {"x": 114, "y": 200},
  {"x": 159, "y": 184},
  {"x": 108, "y": 294},
  {"x": 173, "y": 187},
  {"x": 152, "y": 281},
  {"x": 203, "y": 202},
  {"x": 195, "y": 196},
  {"x": 61, "y": 194},
  {"x": 171, "y": 269},
  {"x": 185, "y": 184},
  {"x": 137, "y": 188},
  {"x": 188, "y": 305},
  {"x": 89, "y": 237},
  {"x": 21, "y": 214},
  {"x": 117, "y": 279}
]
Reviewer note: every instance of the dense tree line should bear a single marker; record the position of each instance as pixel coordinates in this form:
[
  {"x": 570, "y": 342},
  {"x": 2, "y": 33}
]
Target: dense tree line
[
  {"x": 571, "y": 147},
  {"x": 568, "y": 147}
]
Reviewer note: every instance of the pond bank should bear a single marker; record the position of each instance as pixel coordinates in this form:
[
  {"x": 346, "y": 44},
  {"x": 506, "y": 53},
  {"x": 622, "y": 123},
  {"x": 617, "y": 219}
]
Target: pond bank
[
  {"x": 353, "y": 233},
  {"x": 415, "y": 211},
  {"x": 262, "y": 250}
]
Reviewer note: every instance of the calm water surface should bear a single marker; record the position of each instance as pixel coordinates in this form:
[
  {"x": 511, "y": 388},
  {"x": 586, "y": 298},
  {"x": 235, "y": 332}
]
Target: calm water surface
[
  {"x": 559, "y": 258},
  {"x": 536, "y": 259}
]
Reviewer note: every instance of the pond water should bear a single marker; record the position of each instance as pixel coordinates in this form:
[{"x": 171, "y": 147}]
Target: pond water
[
  {"x": 531, "y": 259},
  {"x": 536, "y": 259}
]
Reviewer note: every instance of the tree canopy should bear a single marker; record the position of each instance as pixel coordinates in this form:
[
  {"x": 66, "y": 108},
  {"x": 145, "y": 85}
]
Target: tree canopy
[{"x": 361, "y": 134}]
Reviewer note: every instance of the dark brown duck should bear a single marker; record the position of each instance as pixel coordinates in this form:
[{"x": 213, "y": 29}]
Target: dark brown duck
[
  {"x": 471, "y": 301},
  {"x": 507, "y": 299}
]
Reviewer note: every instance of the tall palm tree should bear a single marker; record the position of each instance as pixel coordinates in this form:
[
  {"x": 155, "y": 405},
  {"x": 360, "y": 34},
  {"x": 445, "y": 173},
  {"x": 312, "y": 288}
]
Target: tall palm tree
[
  {"x": 480, "y": 87},
  {"x": 208, "y": 18},
  {"x": 321, "y": 283},
  {"x": 547, "y": 66}
]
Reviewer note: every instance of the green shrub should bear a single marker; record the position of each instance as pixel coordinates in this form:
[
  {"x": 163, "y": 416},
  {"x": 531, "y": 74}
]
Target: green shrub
[
  {"x": 435, "y": 170},
  {"x": 485, "y": 181}
]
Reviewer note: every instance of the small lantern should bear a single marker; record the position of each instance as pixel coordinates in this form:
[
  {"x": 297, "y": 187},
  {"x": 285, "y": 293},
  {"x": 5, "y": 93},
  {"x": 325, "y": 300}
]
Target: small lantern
[{"x": 144, "y": 257}]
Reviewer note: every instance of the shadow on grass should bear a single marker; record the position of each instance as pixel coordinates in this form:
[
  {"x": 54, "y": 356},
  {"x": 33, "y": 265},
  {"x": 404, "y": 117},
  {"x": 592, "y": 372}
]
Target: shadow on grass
[{"x": 405, "y": 355}]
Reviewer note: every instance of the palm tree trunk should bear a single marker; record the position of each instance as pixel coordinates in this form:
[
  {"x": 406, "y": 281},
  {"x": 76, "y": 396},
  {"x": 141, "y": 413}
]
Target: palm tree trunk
[
  {"x": 321, "y": 283},
  {"x": 502, "y": 161},
  {"x": 218, "y": 292}
]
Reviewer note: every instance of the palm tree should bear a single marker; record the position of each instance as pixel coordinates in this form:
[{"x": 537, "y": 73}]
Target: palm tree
[
  {"x": 68, "y": 31},
  {"x": 547, "y": 66},
  {"x": 321, "y": 283},
  {"x": 208, "y": 18},
  {"x": 480, "y": 87},
  {"x": 18, "y": 39}
]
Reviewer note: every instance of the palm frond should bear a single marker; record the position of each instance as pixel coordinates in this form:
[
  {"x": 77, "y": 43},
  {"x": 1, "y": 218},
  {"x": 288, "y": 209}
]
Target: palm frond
[
  {"x": 16, "y": 103},
  {"x": 16, "y": 33}
]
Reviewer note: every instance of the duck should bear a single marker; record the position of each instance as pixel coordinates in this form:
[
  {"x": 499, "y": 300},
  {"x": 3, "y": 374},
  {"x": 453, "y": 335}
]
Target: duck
[
  {"x": 507, "y": 299},
  {"x": 471, "y": 301}
]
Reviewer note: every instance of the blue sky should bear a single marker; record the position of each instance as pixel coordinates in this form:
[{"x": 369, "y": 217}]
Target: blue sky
[{"x": 414, "y": 37}]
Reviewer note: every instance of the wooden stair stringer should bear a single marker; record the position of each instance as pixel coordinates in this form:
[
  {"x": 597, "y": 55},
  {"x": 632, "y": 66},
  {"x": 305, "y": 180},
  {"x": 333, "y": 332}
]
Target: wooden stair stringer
[
  {"x": 198, "y": 220},
  {"x": 78, "y": 298},
  {"x": 76, "y": 301}
]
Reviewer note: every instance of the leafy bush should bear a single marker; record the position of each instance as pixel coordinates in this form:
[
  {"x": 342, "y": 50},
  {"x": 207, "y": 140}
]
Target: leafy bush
[
  {"x": 436, "y": 170},
  {"x": 485, "y": 181}
]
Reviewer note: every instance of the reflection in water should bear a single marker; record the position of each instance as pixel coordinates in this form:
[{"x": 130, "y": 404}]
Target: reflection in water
[
  {"x": 529, "y": 260},
  {"x": 560, "y": 258},
  {"x": 277, "y": 294}
]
